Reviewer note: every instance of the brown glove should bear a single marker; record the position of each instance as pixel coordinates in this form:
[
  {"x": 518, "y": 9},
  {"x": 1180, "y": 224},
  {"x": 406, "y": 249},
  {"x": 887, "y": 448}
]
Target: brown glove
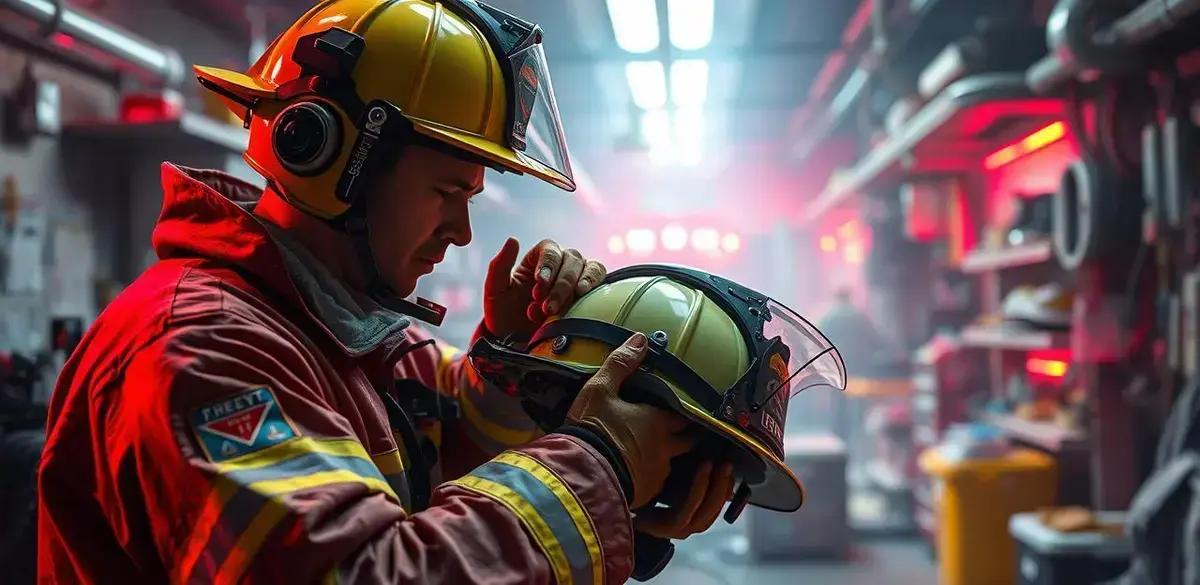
[
  {"x": 646, "y": 436},
  {"x": 712, "y": 487}
]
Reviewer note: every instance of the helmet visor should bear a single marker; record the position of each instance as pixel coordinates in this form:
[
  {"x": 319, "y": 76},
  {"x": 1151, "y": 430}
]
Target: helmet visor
[
  {"x": 537, "y": 129},
  {"x": 799, "y": 356}
]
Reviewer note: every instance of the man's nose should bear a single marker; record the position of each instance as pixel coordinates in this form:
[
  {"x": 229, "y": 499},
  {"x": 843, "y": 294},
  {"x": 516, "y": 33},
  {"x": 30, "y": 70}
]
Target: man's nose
[{"x": 458, "y": 229}]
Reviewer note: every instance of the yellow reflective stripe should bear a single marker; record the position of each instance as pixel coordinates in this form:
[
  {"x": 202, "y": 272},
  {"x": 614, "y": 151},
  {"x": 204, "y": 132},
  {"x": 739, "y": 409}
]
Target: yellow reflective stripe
[
  {"x": 275, "y": 487},
  {"x": 529, "y": 517},
  {"x": 389, "y": 463},
  {"x": 492, "y": 430},
  {"x": 583, "y": 521},
  {"x": 291, "y": 448},
  {"x": 249, "y": 542}
]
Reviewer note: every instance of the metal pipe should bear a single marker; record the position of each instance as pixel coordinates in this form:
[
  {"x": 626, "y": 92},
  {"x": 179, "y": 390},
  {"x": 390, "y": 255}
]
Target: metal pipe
[
  {"x": 1070, "y": 36},
  {"x": 163, "y": 64},
  {"x": 1076, "y": 51},
  {"x": 1152, "y": 19}
]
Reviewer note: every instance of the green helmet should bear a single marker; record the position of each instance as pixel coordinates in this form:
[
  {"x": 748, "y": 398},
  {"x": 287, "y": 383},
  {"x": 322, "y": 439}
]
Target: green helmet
[{"x": 721, "y": 354}]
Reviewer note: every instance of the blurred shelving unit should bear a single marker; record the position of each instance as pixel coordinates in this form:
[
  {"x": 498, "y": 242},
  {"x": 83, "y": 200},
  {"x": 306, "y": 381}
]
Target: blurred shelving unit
[
  {"x": 984, "y": 260},
  {"x": 1007, "y": 338},
  {"x": 1047, "y": 435},
  {"x": 951, "y": 133},
  {"x": 189, "y": 131}
]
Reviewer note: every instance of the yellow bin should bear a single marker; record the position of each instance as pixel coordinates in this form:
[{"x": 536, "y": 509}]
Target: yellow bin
[{"x": 974, "y": 500}]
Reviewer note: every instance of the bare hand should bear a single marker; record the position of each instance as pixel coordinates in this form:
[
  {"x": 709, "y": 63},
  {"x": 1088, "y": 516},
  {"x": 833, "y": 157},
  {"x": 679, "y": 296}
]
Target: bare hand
[{"x": 547, "y": 282}]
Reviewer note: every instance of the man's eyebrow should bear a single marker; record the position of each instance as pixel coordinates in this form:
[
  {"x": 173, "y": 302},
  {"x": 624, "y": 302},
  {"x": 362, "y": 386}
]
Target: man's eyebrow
[{"x": 468, "y": 187}]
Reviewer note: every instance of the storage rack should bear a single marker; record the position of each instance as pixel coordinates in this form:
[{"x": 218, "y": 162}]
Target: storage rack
[{"x": 946, "y": 136}]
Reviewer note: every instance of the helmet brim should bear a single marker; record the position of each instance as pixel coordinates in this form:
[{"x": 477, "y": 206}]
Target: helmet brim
[
  {"x": 508, "y": 158},
  {"x": 780, "y": 489},
  {"x": 244, "y": 86}
]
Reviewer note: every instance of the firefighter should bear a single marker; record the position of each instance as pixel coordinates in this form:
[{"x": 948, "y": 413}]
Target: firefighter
[{"x": 258, "y": 405}]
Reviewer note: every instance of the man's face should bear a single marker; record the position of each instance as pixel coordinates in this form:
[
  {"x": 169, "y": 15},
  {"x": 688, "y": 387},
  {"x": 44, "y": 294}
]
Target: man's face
[{"x": 418, "y": 209}]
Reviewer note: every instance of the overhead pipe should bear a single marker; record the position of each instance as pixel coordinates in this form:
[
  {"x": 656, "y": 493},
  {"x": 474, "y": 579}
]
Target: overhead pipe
[
  {"x": 1076, "y": 51},
  {"x": 161, "y": 65}
]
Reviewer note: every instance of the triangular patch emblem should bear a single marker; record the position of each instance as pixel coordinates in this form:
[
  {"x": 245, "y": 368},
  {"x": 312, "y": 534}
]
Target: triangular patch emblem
[{"x": 241, "y": 426}]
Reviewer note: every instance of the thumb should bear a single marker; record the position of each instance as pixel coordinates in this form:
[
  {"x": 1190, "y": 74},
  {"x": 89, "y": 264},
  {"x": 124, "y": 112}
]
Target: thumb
[
  {"x": 500, "y": 269},
  {"x": 619, "y": 364}
]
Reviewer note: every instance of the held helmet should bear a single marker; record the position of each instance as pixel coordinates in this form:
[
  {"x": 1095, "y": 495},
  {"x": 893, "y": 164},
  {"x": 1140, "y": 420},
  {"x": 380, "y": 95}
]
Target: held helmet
[
  {"x": 723, "y": 355},
  {"x": 352, "y": 80}
]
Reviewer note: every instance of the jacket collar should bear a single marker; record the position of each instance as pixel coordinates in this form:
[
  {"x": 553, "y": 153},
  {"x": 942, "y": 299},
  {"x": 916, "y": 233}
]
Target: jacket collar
[{"x": 207, "y": 214}]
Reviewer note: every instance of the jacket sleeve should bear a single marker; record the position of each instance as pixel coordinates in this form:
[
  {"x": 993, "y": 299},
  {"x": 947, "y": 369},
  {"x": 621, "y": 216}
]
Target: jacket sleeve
[
  {"x": 491, "y": 421},
  {"x": 225, "y": 440}
]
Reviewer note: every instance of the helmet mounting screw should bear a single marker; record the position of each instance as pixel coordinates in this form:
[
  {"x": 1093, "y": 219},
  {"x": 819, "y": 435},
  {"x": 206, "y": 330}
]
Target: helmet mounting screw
[
  {"x": 560, "y": 344},
  {"x": 659, "y": 339}
]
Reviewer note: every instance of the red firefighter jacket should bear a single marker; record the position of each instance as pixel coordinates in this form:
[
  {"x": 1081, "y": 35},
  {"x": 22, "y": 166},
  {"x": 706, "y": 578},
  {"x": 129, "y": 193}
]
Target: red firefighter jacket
[{"x": 220, "y": 423}]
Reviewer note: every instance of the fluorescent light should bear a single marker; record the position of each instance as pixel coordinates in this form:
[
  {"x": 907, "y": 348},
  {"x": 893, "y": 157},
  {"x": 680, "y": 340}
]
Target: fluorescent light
[
  {"x": 689, "y": 82},
  {"x": 640, "y": 240},
  {"x": 689, "y": 136},
  {"x": 705, "y": 239},
  {"x": 656, "y": 132},
  {"x": 647, "y": 83},
  {"x": 635, "y": 24},
  {"x": 691, "y": 23},
  {"x": 674, "y": 237}
]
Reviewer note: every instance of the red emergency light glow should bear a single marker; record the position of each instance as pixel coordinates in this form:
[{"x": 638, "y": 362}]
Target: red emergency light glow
[
  {"x": 1050, "y": 368},
  {"x": 1036, "y": 141},
  {"x": 63, "y": 40}
]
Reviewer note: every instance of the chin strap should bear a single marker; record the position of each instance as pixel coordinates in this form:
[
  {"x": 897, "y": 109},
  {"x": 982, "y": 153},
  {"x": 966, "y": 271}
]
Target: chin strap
[{"x": 354, "y": 223}]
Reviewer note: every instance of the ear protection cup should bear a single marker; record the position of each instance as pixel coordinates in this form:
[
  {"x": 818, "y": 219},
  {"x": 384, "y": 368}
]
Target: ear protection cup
[{"x": 307, "y": 138}]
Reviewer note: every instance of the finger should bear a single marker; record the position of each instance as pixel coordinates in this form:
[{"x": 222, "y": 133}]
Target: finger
[
  {"x": 720, "y": 489},
  {"x": 619, "y": 364},
  {"x": 534, "y": 313},
  {"x": 563, "y": 289},
  {"x": 673, "y": 522},
  {"x": 499, "y": 274},
  {"x": 549, "y": 260},
  {"x": 593, "y": 274}
]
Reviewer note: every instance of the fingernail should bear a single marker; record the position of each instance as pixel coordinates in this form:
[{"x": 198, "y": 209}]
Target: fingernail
[
  {"x": 551, "y": 307},
  {"x": 544, "y": 274},
  {"x": 584, "y": 283},
  {"x": 638, "y": 341}
]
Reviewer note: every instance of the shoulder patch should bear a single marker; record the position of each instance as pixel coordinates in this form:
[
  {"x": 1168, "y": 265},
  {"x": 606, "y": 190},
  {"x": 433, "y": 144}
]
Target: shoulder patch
[{"x": 242, "y": 424}]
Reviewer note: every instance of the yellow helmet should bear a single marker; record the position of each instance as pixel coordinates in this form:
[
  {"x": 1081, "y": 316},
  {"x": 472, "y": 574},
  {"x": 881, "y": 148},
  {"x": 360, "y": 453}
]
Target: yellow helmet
[
  {"x": 723, "y": 355},
  {"x": 353, "y": 77}
]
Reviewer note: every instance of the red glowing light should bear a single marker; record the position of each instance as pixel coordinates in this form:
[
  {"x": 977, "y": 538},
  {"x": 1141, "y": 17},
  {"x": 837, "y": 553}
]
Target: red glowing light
[
  {"x": 63, "y": 40},
  {"x": 858, "y": 22},
  {"x": 1036, "y": 141},
  {"x": 1048, "y": 368}
]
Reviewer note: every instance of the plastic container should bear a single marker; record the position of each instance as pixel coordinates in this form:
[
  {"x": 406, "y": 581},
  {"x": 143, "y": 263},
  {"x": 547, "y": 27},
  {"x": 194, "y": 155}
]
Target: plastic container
[
  {"x": 1048, "y": 557},
  {"x": 820, "y": 528},
  {"x": 974, "y": 499}
]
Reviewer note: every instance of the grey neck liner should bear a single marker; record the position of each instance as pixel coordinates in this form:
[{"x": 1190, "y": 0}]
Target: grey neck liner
[{"x": 359, "y": 323}]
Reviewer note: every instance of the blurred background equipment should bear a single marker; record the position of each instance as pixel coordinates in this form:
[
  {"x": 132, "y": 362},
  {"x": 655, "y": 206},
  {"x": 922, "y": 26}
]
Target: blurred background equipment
[{"x": 993, "y": 204}]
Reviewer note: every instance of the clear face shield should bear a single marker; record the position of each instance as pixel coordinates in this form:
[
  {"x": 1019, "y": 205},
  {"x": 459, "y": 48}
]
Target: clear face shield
[{"x": 535, "y": 129}]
